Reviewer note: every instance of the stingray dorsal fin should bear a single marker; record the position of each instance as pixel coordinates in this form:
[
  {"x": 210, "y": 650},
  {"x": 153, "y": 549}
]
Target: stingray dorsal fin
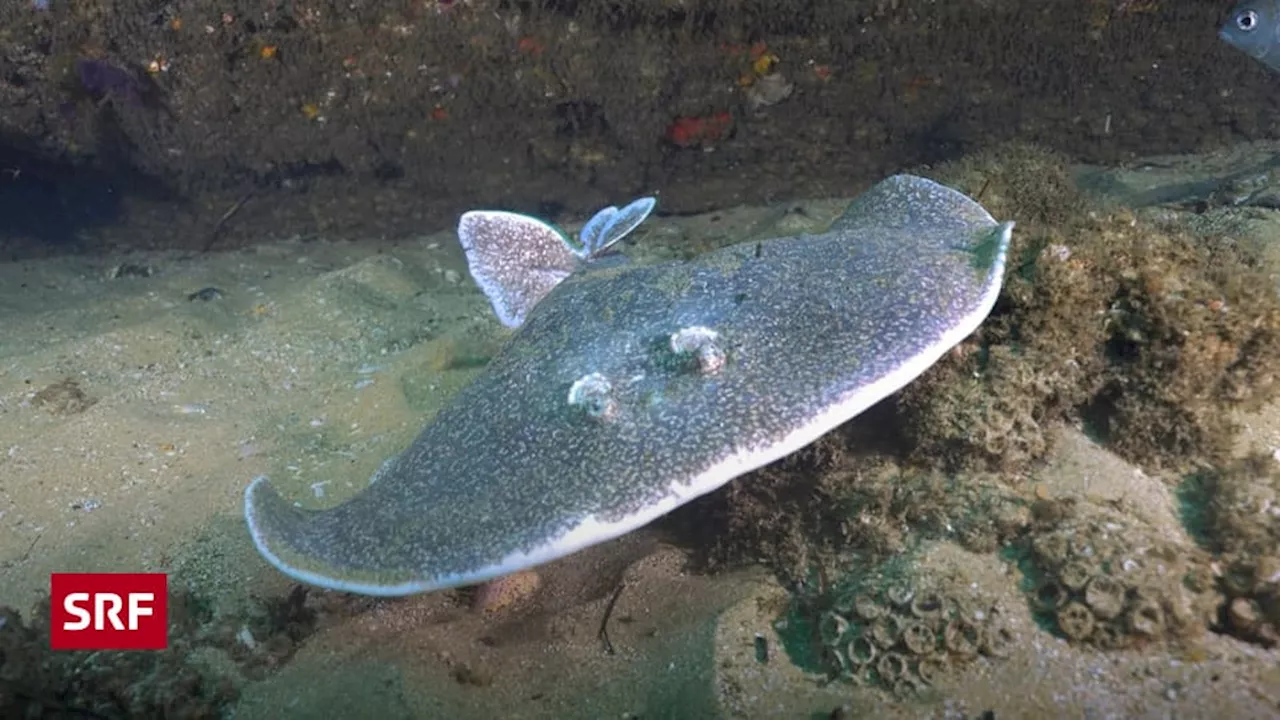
[
  {"x": 515, "y": 259},
  {"x": 611, "y": 225}
]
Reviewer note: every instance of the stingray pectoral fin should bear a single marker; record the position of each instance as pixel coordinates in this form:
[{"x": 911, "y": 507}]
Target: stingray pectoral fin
[
  {"x": 272, "y": 522},
  {"x": 294, "y": 539},
  {"x": 372, "y": 545},
  {"x": 990, "y": 253}
]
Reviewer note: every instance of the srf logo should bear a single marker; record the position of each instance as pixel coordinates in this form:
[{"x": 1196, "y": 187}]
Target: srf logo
[{"x": 109, "y": 611}]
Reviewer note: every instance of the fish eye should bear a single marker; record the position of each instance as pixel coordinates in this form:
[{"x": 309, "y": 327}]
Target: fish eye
[{"x": 1247, "y": 20}]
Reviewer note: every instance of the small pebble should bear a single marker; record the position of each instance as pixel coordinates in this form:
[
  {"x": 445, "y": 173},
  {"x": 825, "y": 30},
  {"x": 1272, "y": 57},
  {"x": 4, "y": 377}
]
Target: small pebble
[
  {"x": 501, "y": 593},
  {"x": 1243, "y": 614},
  {"x": 205, "y": 294},
  {"x": 131, "y": 270}
]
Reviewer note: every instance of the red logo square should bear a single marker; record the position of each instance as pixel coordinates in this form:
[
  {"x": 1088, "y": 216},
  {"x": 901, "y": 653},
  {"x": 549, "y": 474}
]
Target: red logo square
[{"x": 109, "y": 611}]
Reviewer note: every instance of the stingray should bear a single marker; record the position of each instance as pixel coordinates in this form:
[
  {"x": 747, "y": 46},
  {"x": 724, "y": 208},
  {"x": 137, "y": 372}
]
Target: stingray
[{"x": 628, "y": 390}]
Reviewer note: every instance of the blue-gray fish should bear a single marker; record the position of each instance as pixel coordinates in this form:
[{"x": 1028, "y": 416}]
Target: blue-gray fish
[
  {"x": 1254, "y": 27},
  {"x": 630, "y": 390}
]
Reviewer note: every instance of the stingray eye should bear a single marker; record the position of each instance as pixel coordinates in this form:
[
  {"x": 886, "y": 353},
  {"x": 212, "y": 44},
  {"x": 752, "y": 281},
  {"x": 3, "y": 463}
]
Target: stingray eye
[{"x": 1247, "y": 21}]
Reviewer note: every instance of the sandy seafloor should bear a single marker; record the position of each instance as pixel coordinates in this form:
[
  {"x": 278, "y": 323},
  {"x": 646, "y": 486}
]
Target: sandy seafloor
[{"x": 319, "y": 360}]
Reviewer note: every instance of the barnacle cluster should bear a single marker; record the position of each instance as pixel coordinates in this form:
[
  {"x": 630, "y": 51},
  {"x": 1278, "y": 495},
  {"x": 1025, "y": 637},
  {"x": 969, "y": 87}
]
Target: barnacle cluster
[
  {"x": 1151, "y": 335},
  {"x": 902, "y": 637},
  {"x": 1252, "y": 608},
  {"x": 1104, "y": 582},
  {"x": 1239, "y": 520}
]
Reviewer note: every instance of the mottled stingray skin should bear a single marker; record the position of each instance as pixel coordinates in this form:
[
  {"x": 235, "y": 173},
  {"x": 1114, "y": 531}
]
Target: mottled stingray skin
[{"x": 816, "y": 328}]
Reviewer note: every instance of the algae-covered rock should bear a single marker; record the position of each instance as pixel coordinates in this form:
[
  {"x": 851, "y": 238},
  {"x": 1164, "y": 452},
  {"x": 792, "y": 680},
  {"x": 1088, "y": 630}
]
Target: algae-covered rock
[{"x": 1149, "y": 334}]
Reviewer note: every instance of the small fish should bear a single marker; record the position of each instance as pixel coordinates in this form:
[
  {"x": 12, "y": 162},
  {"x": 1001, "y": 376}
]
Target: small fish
[{"x": 1252, "y": 28}]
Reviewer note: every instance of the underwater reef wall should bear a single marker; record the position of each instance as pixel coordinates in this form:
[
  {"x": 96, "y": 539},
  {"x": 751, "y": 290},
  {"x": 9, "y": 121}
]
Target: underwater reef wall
[{"x": 207, "y": 125}]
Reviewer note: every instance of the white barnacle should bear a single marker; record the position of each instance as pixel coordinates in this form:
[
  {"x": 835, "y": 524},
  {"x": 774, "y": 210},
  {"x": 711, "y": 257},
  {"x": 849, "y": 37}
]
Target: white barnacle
[
  {"x": 701, "y": 342},
  {"x": 594, "y": 394}
]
